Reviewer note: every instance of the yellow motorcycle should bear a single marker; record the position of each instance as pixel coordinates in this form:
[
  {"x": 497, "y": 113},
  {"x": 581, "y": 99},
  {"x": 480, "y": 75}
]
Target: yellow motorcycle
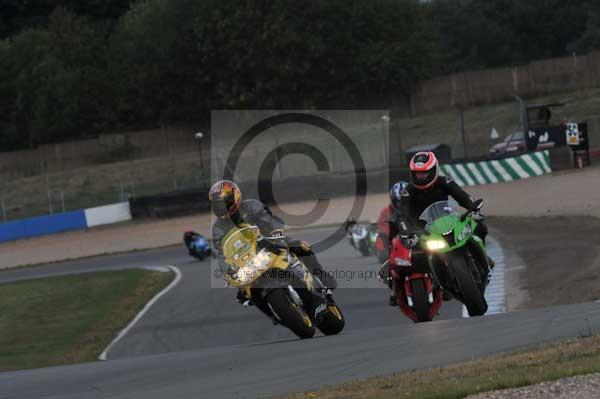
[{"x": 278, "y": 279}]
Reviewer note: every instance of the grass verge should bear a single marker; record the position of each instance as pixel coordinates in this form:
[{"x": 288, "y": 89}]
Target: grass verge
[
  {"x": 70, "y": 319},
  {"x": 546, "y": 363}
]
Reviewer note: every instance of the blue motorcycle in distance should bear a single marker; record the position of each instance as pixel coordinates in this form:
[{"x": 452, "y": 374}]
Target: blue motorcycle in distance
[{"x": 197, "y": 245}]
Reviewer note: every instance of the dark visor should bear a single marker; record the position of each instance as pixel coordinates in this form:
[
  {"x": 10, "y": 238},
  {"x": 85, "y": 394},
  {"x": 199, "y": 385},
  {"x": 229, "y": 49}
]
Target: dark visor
[{"x": 219, "y": 208}]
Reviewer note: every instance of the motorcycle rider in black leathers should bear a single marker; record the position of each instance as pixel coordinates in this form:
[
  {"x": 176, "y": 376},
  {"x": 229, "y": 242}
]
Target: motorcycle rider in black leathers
[
  {"x": 227, "y": 204},
  {"x": 428, "y": 187},
  {"x": 391, "y": 223}
]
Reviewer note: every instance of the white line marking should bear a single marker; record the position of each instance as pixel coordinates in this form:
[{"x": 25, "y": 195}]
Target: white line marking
[
  {"x": 473, "y": 169},
  {"x": 488, "y": 172},
  {"x": 448, "y": 171},
  {"x": 505, "y": 175},
  {"x": 517, "y": 168},
  {"x": 540, "y": 156},
  {"x": 531, "y": 163},
  {"x": 161, "y": 269},
  {"x": 143, "y": 311},
  {"x": 461, "y": 169},
  {"x": 510, "y": 269}
]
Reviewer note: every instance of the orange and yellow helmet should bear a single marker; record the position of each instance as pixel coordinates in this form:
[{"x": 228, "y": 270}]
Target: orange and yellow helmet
[{"x": 225, "y": 198}]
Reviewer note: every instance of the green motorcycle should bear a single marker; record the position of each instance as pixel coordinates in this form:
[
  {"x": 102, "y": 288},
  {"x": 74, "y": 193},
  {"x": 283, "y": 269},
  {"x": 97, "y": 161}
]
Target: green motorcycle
[{"x": 456, "y": 257}]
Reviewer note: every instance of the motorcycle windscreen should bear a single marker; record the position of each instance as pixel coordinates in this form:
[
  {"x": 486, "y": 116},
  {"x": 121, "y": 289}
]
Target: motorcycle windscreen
[
  {"x": 239, "y": 245},
  {"x": 438, "y": 210}
]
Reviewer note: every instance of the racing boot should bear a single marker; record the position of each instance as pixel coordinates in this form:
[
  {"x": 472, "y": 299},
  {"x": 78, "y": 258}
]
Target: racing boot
[{"x": 328, "y": 297}]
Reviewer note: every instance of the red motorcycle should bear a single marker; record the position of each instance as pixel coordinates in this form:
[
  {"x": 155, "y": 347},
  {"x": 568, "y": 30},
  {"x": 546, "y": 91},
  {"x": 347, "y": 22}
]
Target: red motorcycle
[{"x": 416, "y": 294}]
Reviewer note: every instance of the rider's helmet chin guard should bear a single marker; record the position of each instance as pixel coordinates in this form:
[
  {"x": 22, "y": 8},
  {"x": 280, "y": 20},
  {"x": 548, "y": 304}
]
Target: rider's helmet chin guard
[
  {"x": 225, "y": 198},
  {"x": 396, "y": 194},
  {"x": 424, "y": 170}
]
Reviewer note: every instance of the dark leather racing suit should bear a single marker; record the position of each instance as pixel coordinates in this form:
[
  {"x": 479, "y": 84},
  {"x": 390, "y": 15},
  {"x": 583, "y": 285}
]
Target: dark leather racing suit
[{"x": 414, "y": 202}]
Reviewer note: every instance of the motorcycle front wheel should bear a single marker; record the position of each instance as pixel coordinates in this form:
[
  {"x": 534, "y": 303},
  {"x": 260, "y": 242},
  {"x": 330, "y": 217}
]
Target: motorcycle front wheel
[
  {"x": 420, "y": 299},
  {"x": 471, "y": 294},
  {"x": 292, "y": 315}
]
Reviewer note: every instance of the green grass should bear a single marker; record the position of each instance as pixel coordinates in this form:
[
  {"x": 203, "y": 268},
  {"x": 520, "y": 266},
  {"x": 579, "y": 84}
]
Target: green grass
[
  {"x": 99, "y": 185},
  {"x": 69, "y": 319},
  {"x": 517, "y": 369}
]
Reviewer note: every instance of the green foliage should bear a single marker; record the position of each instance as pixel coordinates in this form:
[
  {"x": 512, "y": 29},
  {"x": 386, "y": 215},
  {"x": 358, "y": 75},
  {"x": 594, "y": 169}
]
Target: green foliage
[
  {"x": 482, "y": 33},
  {"x": 57, "y": 81},
  {"x": 19, "y": 15},
  {"x": 72, "y": 69}
]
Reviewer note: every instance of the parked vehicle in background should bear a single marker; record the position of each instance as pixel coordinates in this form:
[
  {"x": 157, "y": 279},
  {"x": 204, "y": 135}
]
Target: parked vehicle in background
[{"x": 513, "y": 143}]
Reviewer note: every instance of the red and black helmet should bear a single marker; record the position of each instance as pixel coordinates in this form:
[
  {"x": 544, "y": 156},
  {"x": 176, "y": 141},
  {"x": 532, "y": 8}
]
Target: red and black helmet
[
  {"x": 424, "y": 170},
  {"x": 225, "y": 198}
]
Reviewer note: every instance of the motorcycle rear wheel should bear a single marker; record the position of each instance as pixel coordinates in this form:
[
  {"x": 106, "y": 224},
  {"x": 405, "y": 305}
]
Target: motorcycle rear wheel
[
  {"x": 332, "y": 321},
  {"x": 364, "y": 250},
  {"x": 292, "y": 316}
]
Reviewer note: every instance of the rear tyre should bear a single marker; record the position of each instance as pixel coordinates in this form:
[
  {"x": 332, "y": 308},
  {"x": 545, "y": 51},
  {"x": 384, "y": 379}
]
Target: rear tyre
[
  {"x": 331, "y": 321},
  {"x": 421, "y": 303},
  {"x": 292, "y": 316},
  {"x": 472, "y": 298}
]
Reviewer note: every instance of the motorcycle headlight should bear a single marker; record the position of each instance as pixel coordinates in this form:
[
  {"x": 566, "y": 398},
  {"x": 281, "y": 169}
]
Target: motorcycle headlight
[
  {"x": 244, "y": 274},
  {"x": 436, "y": 245},
  {"x": 258, "y": 264},
  {"x": 261, "y": 260}
]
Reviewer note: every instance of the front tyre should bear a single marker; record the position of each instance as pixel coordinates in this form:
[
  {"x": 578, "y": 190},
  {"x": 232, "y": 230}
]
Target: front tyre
[
  {"x": 471, "y": 294},
  {"x": 421, "y": 304},
  {"x": 292, "y": 316}
]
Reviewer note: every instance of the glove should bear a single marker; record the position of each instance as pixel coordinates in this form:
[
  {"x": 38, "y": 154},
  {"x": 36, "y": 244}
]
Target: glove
[
  {"x": 242, "y": 300},
  {"x": 478, "y": 217},
  {"x": 410, "y": 240}
]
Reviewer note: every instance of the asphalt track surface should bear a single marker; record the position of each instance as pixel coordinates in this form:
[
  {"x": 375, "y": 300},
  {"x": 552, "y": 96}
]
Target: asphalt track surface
[{"x": 197, "y": 342}]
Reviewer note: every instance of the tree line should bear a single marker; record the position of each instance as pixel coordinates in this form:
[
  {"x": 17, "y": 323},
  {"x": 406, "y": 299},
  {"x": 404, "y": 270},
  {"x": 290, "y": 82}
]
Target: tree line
[{"x": 73, "y": 69}]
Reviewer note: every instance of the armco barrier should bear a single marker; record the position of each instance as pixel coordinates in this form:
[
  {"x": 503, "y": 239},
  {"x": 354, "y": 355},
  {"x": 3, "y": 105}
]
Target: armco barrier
[
  {"x": 498, "y": 171},
  {"x": 61, "y": 222},
  {"x": 289, "y": 190},
  {"x": 42, "y": 225}
]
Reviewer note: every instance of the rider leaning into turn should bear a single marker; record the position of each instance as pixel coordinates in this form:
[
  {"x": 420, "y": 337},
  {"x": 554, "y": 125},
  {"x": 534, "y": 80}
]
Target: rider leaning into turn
[
  {"x": 227, "y": 204},
  {"x": 427, "y": 187}
]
